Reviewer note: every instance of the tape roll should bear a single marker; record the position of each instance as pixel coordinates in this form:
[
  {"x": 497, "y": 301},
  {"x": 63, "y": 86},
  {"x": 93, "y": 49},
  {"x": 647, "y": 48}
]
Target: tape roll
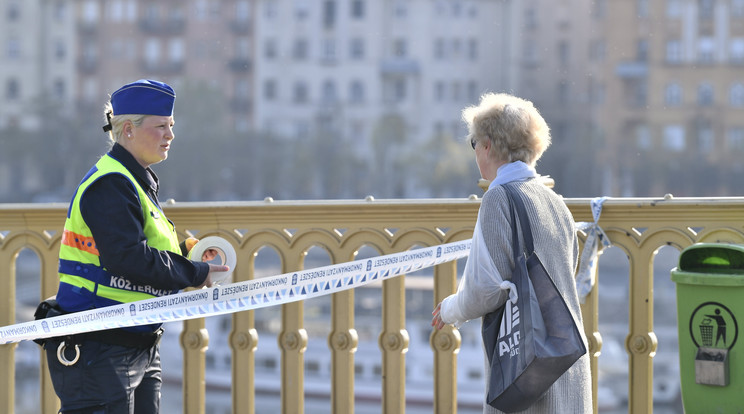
[{"x": 225, "y": 253}]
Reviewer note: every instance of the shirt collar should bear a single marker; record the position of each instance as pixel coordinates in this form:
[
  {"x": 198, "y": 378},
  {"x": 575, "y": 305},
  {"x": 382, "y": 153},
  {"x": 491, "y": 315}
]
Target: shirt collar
[{"x": 145, "y": 176}]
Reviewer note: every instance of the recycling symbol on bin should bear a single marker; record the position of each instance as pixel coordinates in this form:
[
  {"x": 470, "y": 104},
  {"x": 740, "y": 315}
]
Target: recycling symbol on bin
[{"x": 713, "y": 325}]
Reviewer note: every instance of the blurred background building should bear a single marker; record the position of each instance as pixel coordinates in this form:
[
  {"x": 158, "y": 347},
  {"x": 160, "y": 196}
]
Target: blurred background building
[{"x": 344, "y": 98}]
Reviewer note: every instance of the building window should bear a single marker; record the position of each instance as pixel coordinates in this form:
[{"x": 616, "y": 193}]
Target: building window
[
  {"x": 597, "y": 92},
  {"x": 356, "y": 47},
  {"x": 329, "y": 92},
  {"x": 530, "y": 18},
  {"x": 356, "y": 92},
  {"x": 706, "y": 50},
  {"x": 270, "y": 49},
  {"x": 455, "y": 48},
  {"x": 564, "y": 55},
  {"x": 705, "y": 94},
  {"x": 299, "y": 50},
  {"x": 242, "y": 11},
  {"x": 269, "y": 89},
  {"x": 13, "y": 48},
  {"x": 329, "y": 13},
  {"x": 357, "y": 9},
  {"x": 301, "y": 9},
  {"x": 242, "y": 89},
  {"x": 706, "y": 139},
  {"x": 439, "y": 91},
  {"x": 642, "y": 6},
  {"x": 270, "y": 11},
  {"x": 674, "y": 138},
  {"x": 736, "y": 95},
  {"x": 13, "y": 12},
  {"x": 456, "y": 91},
  {"x": 59, "y": 89},
  {"x": 642, "y": 50},
  {"x": 400, "y": 9},
  {"x": 400, "y": 48},
  {"x": 737, "y": 50},
  {"x": 473, "y": 91},
  {"x": 737, "y": 8},
  {"x": 674, "y": 8},
  {"x": 60, "y": 49},
  {"x": 643, "y": 137},
  {"x": 12, "y": 90},
  {"x": 176, "y": 50},
  {"x": 735, "y": 138},
  {"x": 674, "y": 51},
  {"x": 562, "y": 95},
  {"x": 329, "y": 49},
  {"x": 705, "y": 9},
  {"x": 473, "y": 49},
  {"x": 395, "y": 90},
  {"x": 673, "y": 94},
  {"x": 152, "y": 51},
  {"x": 599, "y": 9},
  {"x": 300, "y": 94},
  {"x": 439, "y": 49}
]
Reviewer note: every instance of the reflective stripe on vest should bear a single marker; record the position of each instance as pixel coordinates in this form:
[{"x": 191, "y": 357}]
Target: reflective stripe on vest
[{"x": 84, "y": 283}]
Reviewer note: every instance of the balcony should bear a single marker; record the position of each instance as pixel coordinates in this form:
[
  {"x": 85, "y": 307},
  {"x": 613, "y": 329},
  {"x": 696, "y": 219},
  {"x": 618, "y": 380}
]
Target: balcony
[
  {"x": 399, "y": 66},
  {"x": 632, "y": 70},
  {"x": 240, "y": 27},
  {"x": 162, "y": 68},
  {"x": 239, "y": 64},
  {"x": 87, "y": 65},
  {"x": 638, "y": 226},
  {"x": 163, "y": 27}
]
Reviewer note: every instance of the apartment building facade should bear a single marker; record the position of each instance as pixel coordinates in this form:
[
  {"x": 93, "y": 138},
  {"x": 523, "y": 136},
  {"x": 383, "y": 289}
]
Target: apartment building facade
[{"x": 643, "y": 97}]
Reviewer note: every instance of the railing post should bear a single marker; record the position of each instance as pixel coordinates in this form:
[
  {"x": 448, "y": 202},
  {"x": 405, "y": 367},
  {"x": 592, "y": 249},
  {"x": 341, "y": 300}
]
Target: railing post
[
  {"x": 194, "y": 342},
  {"x": 641, "y": 341},
  {"x": 393, "y": 342},
  {"x": 244, "y": 342},
  {"x": 293, "y": 342},
  {"x": 446, "y": 344},
  {"x": 343, "y": 341}
]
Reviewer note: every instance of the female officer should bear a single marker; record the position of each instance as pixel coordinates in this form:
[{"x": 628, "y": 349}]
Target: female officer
[{"x": 119, "y": 247}]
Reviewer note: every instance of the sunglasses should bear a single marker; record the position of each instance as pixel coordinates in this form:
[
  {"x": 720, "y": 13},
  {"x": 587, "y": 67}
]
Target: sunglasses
[{"x": 472, "y": 143}]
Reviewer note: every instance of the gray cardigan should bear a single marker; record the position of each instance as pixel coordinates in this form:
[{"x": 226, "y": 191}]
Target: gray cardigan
[{"x": 557, "y": 246}]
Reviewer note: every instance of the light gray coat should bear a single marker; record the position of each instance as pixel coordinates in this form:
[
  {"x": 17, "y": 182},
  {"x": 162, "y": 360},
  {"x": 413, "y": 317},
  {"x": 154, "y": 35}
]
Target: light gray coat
[{"x": 557, "y": 246}]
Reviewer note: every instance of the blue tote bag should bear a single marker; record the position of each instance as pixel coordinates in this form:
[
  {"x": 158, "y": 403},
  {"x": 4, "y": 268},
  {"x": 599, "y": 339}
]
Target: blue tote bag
[{"x": 530, "y": 343}]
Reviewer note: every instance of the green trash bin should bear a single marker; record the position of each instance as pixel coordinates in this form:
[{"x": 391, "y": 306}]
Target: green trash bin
[{"x": 710, "y": 299}]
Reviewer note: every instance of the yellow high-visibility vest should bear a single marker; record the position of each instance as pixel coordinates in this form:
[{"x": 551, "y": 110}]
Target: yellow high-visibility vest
[{"x": 84, "y": 283}]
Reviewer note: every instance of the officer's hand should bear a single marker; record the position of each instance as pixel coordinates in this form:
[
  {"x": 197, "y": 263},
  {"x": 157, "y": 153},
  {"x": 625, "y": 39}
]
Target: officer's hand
[{"x": 213, "y": 268}]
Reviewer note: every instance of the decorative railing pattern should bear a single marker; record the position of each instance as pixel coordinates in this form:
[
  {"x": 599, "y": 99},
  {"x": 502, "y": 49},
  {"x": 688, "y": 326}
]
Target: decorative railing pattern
[{"x": 638, "y": 226}]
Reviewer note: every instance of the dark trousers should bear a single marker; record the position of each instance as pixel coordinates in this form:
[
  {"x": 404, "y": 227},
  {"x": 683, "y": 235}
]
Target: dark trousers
[{"x": 107, "y": 379}]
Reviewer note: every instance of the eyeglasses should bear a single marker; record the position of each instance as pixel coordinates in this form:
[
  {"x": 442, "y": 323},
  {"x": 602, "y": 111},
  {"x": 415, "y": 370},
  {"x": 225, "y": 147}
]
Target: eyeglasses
[{"x": 472, "y": 143}]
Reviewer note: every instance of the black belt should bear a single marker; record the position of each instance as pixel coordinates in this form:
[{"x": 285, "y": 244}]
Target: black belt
[{"x": 120, "y": 337}]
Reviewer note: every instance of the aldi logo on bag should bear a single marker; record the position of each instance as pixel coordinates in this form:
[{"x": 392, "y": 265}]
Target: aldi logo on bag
[{"x": 508, "y": 341}]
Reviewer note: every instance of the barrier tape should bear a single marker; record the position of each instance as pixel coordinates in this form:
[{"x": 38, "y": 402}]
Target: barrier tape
[{"x": 241, "y": 296}]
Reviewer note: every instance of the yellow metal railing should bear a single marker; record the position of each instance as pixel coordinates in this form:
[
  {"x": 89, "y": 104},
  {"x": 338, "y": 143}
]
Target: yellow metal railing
[{"x": 640, "y": 227}]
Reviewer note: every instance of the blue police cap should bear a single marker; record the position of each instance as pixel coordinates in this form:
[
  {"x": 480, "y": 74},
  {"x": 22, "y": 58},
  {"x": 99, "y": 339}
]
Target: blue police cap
[{"x": 144, "y": 97}]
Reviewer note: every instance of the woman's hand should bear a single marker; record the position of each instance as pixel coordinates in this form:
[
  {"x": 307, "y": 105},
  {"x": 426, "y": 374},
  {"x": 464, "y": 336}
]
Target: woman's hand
[
  {"x": 208, "y": 254},
  {"x": 437, "y": 321}
]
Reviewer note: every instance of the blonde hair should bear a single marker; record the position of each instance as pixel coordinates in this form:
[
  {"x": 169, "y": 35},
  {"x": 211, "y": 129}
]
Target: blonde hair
[
  {"x": 118, "y": 121},
  {"x": 514, "y": 126}
]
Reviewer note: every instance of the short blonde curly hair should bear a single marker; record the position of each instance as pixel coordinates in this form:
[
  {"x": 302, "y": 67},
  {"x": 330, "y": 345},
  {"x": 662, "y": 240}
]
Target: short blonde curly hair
[{"x": 514, "y": 126}]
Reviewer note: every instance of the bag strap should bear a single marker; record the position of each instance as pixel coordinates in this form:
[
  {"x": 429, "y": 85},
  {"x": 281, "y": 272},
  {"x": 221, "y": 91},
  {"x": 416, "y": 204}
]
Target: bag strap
[{"x": 517, "y": 204}]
